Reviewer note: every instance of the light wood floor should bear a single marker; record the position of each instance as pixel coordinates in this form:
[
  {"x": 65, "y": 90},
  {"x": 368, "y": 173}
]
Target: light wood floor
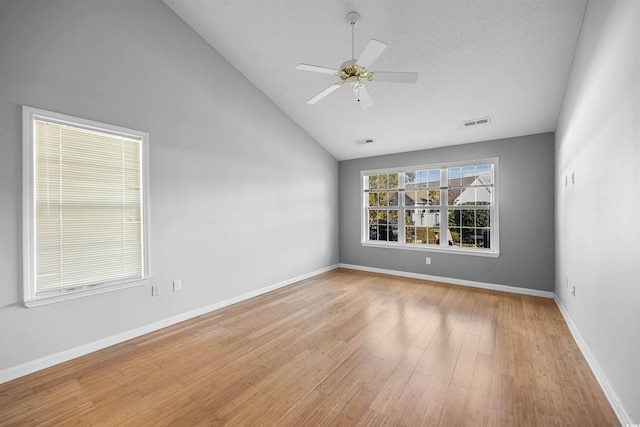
[{"x": 344, "y": 348}]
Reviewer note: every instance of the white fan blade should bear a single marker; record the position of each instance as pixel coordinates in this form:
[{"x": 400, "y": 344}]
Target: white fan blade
[
  {"x": 316, "y": 68},
  {"x": 396, "y": 77},
  {"x": 371, "y": 52},
  {"x": 324, "y": 93},
  {"x": 362, "y": 95}
]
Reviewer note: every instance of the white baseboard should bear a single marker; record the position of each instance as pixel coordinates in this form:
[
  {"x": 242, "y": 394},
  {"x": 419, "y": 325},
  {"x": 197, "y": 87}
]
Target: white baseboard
[
  {"x": 616, "y": 405},
  {"x": 470, "y": 283},
  {"x": 30, "y": 367}
]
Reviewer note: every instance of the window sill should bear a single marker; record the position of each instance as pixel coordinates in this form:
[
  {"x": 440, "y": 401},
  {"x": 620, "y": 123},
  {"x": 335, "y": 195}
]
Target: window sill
[
  {"x": 69, "y": 295},
  {"x": 462, "y": 251}
]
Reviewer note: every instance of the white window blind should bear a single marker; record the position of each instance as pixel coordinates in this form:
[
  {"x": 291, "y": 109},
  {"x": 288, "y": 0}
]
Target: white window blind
[{"x": 88, "y": 222}]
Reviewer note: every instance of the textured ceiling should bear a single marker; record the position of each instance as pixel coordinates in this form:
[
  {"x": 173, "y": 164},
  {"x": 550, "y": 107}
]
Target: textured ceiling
[{"x": 508, "y": 60}]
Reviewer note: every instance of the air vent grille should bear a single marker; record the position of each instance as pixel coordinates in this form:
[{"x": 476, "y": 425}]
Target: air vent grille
[
  {"x": 365, "y": 141},
  {"x": 476, "y": 122}
]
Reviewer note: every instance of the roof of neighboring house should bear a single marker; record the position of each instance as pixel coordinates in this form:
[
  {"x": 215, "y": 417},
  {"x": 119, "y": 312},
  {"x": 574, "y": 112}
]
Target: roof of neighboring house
[{"x": 456, "y": 187}]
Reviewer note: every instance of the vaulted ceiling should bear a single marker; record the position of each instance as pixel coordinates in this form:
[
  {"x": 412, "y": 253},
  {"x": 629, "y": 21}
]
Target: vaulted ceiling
[{"x": 508, "y": 60}]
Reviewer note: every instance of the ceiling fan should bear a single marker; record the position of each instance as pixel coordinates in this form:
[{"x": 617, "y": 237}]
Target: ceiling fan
[{"x": 355, "y": 71}]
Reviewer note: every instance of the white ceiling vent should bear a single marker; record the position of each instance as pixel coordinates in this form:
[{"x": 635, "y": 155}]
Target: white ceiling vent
[
  {"x": 365, "y": 141},
  {"x": 482, "y": 121}
]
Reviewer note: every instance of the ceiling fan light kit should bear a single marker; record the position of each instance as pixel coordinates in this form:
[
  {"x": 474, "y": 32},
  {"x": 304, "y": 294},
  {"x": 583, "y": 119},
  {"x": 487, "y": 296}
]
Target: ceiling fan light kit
[{"x": 355, "y": 71}]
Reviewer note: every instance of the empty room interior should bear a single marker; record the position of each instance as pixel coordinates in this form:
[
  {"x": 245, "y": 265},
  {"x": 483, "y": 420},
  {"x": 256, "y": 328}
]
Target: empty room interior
[{"x": 328, "y": 212}]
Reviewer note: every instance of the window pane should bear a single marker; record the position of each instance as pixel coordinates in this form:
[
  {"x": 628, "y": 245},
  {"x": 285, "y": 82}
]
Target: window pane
[
  {"x": 433, "y": 235},
  {"x": 392, "y": 225},
  {"x": 485, "y": 174},
  {"x": 393, "y": 233},
  {"x": 393, "y": 181},
  {"x": 468, "y": 218},
  {"x": 468, "y": 237},
  {"x": 434, "y": 178},
  {"x": 455, "y": 236},
  {"x": 408, "y": 217},
  {"x": 483, "y": 218},
  {"x": 379, "y": 199},
  {"x": 410, "y": 234},
  {"x": 392, "y": 198},
  {"x": 383, "y": 182},
  {"x": 483, "y": 238},
  {"x": 423, "y": 179},
  {"x": 373, "y": 182},
  {"x": 421, "y": 234},
  {"x": 434, "y": 197},
  {"x": 409, "y": 179},
  {"x": 410, "y": 198},
  {"x": 373, "y": 199},
  {"x": 422, "y": 198},
  {"x": 383, "y": 225},
  {"x": 475, "y": 237},
  {"x": 469, "y": 172},
  {"x": 467, "y": 197},
  {"x": 454, "y": 175},
  {"x": 454, "y": 217},
  {"x": 476, "y": 196},
  {"x": 486, "y": 237},
  {"x": 373, "y": 217},
  {"x": 373, "y": 232}
]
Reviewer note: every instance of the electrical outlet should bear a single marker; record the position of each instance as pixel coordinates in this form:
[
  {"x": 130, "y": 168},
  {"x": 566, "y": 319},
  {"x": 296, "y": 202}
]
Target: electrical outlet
[
  {"x": 177, "y": 285},
  {"x": 428, "y": 260},
  {"x": 155, "y": 290}
]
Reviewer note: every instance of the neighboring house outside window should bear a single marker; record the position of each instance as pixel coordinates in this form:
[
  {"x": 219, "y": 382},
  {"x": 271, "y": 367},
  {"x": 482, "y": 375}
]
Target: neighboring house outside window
[
  {"x": 85, "y": 191},
  {"x": 413, "y": 207}
]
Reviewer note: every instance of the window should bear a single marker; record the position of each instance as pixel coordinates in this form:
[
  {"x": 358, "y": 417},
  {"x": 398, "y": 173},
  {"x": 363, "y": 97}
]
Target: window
[
  {"x": 413, "y": 208},
  {"x": 85, "y": 192}
]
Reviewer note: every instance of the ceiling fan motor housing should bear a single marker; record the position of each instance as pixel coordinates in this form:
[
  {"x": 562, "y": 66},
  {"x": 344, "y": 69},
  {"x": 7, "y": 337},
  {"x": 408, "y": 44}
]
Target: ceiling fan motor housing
[
  {"x": 351, "y": 72},
  {"x": 353, "y": 18}
]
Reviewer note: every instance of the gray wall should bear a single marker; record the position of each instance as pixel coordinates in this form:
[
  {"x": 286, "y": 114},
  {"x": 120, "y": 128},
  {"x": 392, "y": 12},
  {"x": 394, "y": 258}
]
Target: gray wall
[
  {"x": 526, "y": 215},
  {"x": 241, "y": 197},
  {"x": 597, "y": 233}
]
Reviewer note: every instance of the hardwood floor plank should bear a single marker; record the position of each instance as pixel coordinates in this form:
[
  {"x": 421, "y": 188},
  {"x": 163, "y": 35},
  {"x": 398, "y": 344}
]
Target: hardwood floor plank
[{"x": 344, "y": 348}]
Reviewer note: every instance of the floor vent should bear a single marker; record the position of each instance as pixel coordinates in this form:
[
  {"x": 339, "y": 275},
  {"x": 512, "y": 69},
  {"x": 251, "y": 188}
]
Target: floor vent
[{"x": 482, "y": 121}]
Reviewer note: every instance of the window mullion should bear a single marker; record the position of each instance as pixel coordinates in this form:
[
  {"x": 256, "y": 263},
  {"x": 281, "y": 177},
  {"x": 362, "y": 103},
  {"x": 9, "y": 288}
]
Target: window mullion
[{"x": 444, "y": 205}]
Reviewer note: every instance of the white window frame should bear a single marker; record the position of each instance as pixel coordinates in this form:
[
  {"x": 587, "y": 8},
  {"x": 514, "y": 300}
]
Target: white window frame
[
  {"x": 29, "y": 117},
  {"x": 443, "y": 246}
]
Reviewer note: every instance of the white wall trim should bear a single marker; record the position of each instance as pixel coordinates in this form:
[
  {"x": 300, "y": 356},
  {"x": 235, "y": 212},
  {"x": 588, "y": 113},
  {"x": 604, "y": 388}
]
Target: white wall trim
[
  {"x": 470, "y": 283},
  {"x": 616, "y": 405},
  {"x": 27, "y": 368}
]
